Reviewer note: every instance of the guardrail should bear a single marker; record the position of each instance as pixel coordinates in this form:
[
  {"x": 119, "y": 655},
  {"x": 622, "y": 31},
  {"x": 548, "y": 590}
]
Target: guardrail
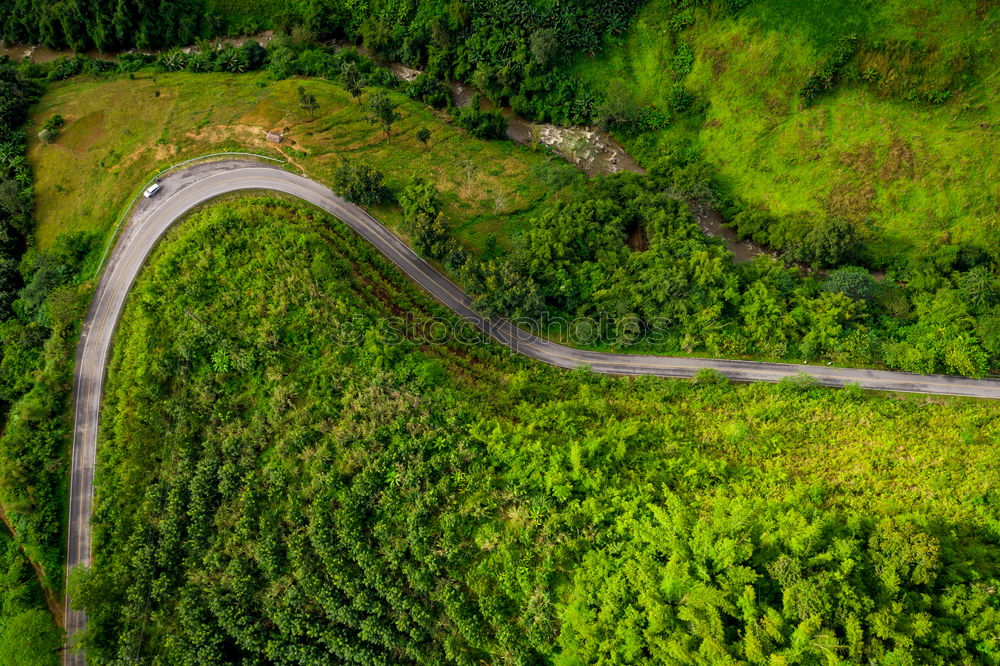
[{"x": 128, "y": 208}]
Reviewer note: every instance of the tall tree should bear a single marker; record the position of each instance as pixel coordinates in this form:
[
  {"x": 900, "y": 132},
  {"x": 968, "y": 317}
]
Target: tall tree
[
  {"x": 380, "y": 110},
  {"x": 423, "y": 135},
  {"x": 352, "y": 79},
  {"x": 308, "y": 102}
]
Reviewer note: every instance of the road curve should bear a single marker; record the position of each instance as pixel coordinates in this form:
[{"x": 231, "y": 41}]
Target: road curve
[{"x": 186, "y": 189}]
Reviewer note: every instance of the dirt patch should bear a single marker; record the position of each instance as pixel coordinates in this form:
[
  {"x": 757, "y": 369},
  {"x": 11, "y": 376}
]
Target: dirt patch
[
  {"x": 711, "y": 222},
  {"x": 851, "y": 201},
  {"x": 898, "y": 161},
  {"x": 249, "y": 134},
  {"x": 163, "y": 151},
  {"x": 290, "y": 159},
  {"x": 861, "y": 160},
  {"x": 80, "y": 134},
  {"x": 637, "y": 240},
  {"x": 160, "y": 151},
  {"x": 718, "y": 59}
]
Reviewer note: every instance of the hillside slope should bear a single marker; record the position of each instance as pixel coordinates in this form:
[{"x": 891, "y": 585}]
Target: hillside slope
[
  {"x": 298, "y": 474},
  {"x": 886, "y": 114}
]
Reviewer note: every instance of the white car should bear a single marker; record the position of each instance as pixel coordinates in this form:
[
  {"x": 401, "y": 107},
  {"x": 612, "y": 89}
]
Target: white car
[{"x": 151, "y": 190}]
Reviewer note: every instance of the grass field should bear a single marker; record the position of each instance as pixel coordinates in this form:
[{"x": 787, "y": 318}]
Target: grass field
[
  {"x": 912, "y": 173},
  {"x": 119, "y": 132}
]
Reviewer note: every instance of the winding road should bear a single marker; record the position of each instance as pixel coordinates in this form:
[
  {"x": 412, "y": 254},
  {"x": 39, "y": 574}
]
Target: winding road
[{"x": 184, "y": 190}]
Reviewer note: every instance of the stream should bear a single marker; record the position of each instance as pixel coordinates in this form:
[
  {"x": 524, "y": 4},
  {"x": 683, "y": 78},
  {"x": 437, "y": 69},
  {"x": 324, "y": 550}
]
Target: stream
[{"x": 593, "y": 151}]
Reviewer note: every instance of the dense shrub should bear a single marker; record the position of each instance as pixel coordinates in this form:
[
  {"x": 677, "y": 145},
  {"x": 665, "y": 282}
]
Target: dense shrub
[
  {"x": 430, "y": 91},
  {"x": 360, "y": 184},
  {"x": 481, "y": 124},
  {"x": 854, "y": 281}
]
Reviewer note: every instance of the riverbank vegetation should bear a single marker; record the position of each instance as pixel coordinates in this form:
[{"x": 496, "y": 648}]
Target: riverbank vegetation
[
  {"x": 887, "y": 107},
  {"x": 625, "y": 252},
  {"x": 298, "y": 478}
]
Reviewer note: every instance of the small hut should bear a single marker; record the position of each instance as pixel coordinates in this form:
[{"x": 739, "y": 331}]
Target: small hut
[{"x": 275, "y": 137}]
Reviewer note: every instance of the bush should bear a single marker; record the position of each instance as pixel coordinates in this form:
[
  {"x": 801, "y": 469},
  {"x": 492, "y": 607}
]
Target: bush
[
  {"x": 827, "y": 77},
  {"x": 830, "y": 241},
  {"x": 683, "y": 60},
  {"x": 360, "y": 184},
  {"x": 853, "y": 281},
  {"x": 482, "y": 124},
  {"x": 618, "y": 108},
  {"x": 66, "y": 67},
  {"x": 680, "y": 99},
  {"x": 430, "y": 91},
  {"x": 710, "y": 377},
  {"x": 800, "y": 382},
  {"x": 54, "y": 123}
]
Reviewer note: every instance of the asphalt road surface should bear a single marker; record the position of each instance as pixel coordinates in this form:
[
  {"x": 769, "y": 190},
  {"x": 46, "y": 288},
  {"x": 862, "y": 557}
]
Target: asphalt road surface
[{"x": 182, "y": 191}]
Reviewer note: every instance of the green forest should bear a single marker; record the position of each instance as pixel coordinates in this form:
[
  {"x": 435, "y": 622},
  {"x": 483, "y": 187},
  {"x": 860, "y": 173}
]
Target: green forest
[
  {"x": 28, "y": 633},
  {"x": 271, "y": 494},
  {"x": 290, "y": 472}
]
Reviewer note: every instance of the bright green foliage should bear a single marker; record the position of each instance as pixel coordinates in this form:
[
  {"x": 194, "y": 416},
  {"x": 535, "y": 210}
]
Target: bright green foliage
[
  {"x": 28, "y": 635},
  {"x": 822, "y": 113},
  {"x": 380, "y": 110},
  {"x": 287, "y": 479},
  {"x": 481, "y": 124},
  {"x": 360, "y": 183},
  {"x": 573, "y": 259}
]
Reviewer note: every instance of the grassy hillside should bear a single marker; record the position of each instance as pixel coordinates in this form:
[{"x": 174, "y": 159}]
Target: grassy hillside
[
  {"x": 288, "y": 479},
  {"x": 119, "y": 132},
  {"x": 902, "y": 144}
]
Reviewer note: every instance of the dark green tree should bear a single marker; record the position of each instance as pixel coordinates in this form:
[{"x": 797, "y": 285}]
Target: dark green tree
[
  {"x": 352, "y": 79},
  {"x": 381, "y": 110},
  {"x": 307, "y": 101},
  {"x": 854, "y": 281},
  {"x": 544, "y": 46},
  {"x": 360, "y": 184},
  {"x": 423, "y": 136}
]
